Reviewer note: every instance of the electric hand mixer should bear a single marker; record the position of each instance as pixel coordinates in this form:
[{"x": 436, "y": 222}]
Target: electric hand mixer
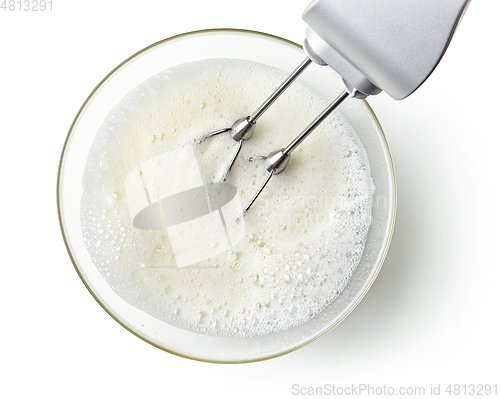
[{"x": 389, "y": 45}]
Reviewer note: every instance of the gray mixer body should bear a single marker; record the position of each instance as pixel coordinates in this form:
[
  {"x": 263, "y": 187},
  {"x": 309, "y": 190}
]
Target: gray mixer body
[{"x": 389, "y": 45}]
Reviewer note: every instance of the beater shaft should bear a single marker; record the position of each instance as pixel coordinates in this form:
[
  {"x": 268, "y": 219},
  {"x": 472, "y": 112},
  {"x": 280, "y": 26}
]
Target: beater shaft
[
  {"x": 243, "y": 128},
  {"x": 279, "y": 91},
  {"x": 276, "y": 161},
  {"x": 314, "y": 124}
]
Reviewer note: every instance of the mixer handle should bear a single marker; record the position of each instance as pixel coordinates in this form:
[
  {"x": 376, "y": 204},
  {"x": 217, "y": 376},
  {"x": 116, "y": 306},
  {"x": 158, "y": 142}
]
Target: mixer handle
[{"x": 389, "y": 45}]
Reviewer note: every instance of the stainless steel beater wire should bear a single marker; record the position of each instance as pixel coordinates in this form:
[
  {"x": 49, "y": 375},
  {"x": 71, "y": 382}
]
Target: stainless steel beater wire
[
  {"x": 258, "y": 192},
  {"x": 314, "y": 124},
  {"x": 281, "y": 88},
  {"x": 263, "y": 108},
  {"x": 233, "y": 159},
  {"x": 227, "y": 129},
  {"x": 300, "y": 138}
]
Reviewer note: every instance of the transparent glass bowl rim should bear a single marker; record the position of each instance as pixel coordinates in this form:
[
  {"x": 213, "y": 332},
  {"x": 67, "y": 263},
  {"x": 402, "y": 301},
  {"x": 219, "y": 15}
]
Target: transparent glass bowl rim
[{"x": 109, "y": 311}]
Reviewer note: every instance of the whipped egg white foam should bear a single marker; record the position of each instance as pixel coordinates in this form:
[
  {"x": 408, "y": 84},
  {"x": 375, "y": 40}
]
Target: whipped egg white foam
[{"x": 299, "y": 243}]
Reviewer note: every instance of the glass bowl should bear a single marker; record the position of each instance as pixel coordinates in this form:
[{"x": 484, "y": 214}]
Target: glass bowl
[{"x": 234, "y": 44}]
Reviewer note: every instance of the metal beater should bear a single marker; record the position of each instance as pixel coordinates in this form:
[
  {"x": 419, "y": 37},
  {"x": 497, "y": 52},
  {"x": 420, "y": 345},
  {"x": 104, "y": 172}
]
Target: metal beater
[{"x": 389, "y": 45}]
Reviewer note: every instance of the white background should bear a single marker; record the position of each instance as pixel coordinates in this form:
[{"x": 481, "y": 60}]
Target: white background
[{"x": 432, "y": 315}]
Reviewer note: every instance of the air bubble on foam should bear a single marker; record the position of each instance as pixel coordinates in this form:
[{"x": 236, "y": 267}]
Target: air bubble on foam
[
  {"x": 200, "y": 317},
  {"x": 104, "y": 164},
  {"x": 266, "y": 250},
  {"x": 119, "y": 196}
]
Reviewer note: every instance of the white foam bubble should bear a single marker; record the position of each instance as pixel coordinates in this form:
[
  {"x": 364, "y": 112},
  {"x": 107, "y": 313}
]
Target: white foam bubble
[{"x": 303, "y": 237}]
